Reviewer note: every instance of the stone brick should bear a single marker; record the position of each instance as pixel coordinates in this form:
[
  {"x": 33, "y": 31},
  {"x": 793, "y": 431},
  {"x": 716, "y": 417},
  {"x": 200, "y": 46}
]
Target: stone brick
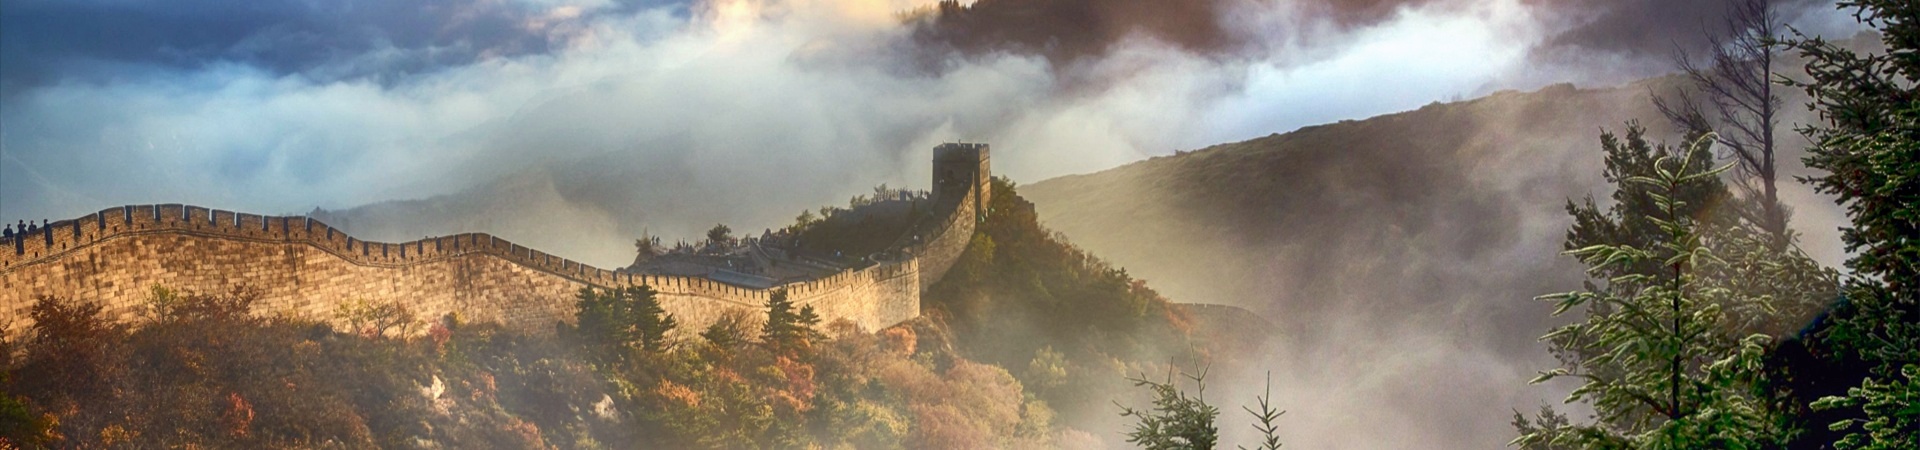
[{"x": 304, "y": 268}]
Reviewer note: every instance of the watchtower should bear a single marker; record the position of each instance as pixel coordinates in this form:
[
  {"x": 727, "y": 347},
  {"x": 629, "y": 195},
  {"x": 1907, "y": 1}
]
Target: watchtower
[{"x": 958, "y": 167}]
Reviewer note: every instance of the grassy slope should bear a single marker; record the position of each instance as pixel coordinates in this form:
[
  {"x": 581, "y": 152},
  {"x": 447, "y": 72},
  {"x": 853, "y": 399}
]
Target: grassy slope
[
  {"x": 1395, "y": 254},
  {"x": 1416, "y": 209}
]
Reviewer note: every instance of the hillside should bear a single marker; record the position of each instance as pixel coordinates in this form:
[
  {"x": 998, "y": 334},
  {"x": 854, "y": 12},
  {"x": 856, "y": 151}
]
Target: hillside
[
  {"x": 1293, "y": 216},
  {"x": 1397, "y": 255},
  {"x": 584, "y": 357}
]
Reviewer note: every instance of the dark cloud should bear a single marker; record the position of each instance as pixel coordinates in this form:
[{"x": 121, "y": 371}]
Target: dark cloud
[
  {"x": 667, "y": 120},
  {"x": 1649, "y": 27},
  {"x": 46, "y": 41},
  {"x": 1066, "y": 31}
]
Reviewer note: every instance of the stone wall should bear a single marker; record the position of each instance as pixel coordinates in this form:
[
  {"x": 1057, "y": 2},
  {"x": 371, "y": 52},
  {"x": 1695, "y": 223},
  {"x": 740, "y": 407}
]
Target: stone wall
[
  {"x": 951, "y": 233},
  {"x": 306, "y": 268},
  {"x": 302, "y": 267}
]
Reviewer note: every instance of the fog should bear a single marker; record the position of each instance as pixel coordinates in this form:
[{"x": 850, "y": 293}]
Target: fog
[
  {"x": 575, "y": 126},
  {"x": 669, "y": 117},
  {"x": 1398, "y": 256}
]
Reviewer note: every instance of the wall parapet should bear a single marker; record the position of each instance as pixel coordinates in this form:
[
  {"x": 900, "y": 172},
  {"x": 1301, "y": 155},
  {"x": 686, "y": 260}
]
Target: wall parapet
[
  {"x": 199, "y": 246},
  {"x": 847, "y": 295},
  {"x": 57, "y": 238}
]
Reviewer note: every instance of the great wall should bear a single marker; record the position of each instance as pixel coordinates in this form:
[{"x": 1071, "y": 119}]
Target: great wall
[{"x": 302, "y": 267}]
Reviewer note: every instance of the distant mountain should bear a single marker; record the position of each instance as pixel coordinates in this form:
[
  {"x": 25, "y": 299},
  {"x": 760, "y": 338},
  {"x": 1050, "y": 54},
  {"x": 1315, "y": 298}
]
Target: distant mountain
[
  {"x": 1397, "y": 255},
  {"x": 532, "y": 208},
  {"x": 592, "y": 208},
  {"x": 1449, "y": 203}
]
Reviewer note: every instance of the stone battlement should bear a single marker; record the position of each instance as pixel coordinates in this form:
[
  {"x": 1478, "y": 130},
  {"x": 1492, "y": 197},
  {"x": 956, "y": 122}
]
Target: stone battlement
[{"x": 305, "y": 267}]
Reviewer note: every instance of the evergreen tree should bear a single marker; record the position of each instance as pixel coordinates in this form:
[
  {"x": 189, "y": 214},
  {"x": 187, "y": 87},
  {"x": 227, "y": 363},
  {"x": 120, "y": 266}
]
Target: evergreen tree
[
  {"x": 1869, "y": 147},
  {"x": 720, "y": 238},
  {"x": 1177, "y": 421},
  {"x": 1634, "y": 217},
  {"x": 1264, "y": 418},
  {"x": 1546, "y": 423},
  {"x": 618, "y": 320},
  {"x": 1658, "y": 361},
  {"x": 1790, "y": 285},
  {"x": 788, "y": 329}
]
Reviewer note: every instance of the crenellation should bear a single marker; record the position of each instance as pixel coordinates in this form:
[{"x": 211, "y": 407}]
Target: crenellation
[
  {"x": 168, "y": 213},
  {"x": 158, "y": 214},
  {"x": 36, "y": 244},
  {"x": 194, "y": 216},
  {"x": 252, "y": 225},
  {"x": 76, "y": 225},
  {"x": 305, "y": 266},
  {"x": 324, "y": 238},
  {"x": 224, "y": 220}
]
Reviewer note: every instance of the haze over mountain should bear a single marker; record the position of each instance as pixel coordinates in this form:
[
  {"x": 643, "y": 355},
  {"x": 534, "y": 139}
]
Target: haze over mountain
[
  {"x": 1398, "y": 254},
  {"x": 351, "y": 103}
]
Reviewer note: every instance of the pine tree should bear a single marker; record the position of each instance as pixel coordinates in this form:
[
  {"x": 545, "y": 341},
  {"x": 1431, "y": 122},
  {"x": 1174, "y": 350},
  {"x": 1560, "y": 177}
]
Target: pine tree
[
  {"x": 1750, "y": 262},
  {"x": 1265, "y": 417},
  {"x": 1658, "y": 362},
  {"x": 1176, "y": 421},
  {"x": 788, "y": 329},
  {"x": 1869, "y": 145},
  {"x": 619, "y": 320}
]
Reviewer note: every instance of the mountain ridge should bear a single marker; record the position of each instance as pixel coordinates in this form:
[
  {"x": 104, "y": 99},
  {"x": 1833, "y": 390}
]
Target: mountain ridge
[{"x": 1385, "y": 251}]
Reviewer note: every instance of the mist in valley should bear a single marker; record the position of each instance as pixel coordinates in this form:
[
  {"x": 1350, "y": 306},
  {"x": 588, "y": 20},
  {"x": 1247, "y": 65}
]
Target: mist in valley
[
  {"x": 1396, "y": 255},
  {"x": 573, "y": 126}
]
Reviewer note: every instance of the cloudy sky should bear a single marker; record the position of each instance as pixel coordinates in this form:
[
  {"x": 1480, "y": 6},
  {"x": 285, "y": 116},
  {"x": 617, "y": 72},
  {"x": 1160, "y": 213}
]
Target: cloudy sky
[
  {"x": 281, "y": 106},
  {"x": 606, "y": 118}
]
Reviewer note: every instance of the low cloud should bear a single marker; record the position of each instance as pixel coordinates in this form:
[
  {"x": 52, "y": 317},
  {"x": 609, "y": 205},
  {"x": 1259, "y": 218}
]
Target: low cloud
[
  {"x": 574, "y": 127},
  {"x": 666, "y": 118},
  {"x": 770, "y": 105}
]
